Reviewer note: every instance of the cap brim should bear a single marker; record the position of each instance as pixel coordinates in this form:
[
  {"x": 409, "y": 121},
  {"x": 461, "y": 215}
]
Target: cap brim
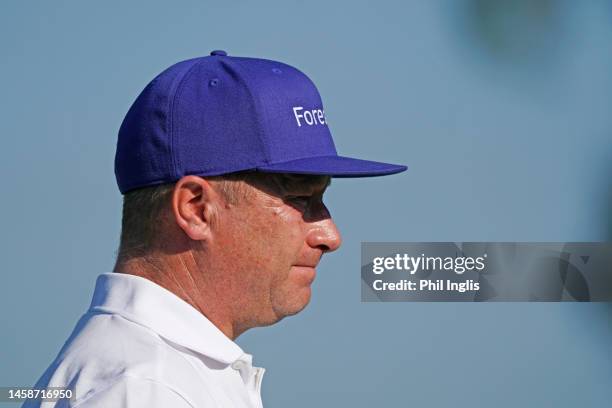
[{"x": 334, "y": 166}]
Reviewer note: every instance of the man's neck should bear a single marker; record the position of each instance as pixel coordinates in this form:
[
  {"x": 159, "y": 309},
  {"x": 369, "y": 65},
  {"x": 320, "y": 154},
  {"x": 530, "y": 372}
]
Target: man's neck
[{"x": 180, "y": 274}]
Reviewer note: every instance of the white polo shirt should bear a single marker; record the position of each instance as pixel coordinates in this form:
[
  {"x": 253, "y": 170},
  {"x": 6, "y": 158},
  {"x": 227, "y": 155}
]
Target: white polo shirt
[{"x": 140, "y": 345}]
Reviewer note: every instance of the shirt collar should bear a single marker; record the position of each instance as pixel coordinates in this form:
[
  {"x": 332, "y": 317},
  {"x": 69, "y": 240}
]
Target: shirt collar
[{"x": 144, "y": 302}]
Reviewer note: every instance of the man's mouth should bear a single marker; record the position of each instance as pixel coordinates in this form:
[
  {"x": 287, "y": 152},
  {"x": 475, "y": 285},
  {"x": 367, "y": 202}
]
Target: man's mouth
[
  {"x": 310, "y": 263},
  {"x": 307, "y": 273}
]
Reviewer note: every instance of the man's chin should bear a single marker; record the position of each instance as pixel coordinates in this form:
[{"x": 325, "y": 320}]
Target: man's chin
[
  {"x": 294, "y": 305},
  {"x": 278, "y": 312}
]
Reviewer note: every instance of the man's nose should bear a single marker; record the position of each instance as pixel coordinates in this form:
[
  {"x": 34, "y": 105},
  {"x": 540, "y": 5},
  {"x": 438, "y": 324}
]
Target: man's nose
[{"x": 324, "y": 235}]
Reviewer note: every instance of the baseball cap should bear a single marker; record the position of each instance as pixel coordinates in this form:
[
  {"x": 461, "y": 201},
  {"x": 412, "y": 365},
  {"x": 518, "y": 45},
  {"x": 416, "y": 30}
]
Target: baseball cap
[{"x": 221, "y": 114}]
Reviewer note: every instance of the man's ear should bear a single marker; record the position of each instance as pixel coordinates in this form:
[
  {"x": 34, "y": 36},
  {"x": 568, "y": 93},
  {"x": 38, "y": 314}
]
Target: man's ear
[{"x": 193, "y": 204}]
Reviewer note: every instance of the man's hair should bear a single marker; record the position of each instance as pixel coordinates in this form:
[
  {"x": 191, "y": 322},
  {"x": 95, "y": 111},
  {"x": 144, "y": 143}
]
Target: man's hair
[
  {"x": 140, "y": 221},
  {"x": 143, "y": 209}
]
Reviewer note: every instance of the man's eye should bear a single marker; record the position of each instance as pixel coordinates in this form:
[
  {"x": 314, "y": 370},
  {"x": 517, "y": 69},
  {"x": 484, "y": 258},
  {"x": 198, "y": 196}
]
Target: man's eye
[{"x": 301, "y": 200}]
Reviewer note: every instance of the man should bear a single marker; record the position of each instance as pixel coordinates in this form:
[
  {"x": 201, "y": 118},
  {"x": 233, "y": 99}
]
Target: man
[{"x": 223, "y": 162}]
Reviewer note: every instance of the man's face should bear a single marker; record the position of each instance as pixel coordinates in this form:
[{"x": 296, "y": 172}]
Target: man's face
[{"x": 270, "y": 242}]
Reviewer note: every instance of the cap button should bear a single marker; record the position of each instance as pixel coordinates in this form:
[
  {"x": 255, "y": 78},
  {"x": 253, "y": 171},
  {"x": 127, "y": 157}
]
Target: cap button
[{"x": 219, "y": 53}]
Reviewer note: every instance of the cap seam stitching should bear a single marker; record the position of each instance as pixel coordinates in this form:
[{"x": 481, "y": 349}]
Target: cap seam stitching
[
  {"x": 177, "y": 93},
  {"x": 259, "y": 122}
]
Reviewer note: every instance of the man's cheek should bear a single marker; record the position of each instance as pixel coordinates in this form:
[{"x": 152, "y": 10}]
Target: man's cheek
[{"x": 288, "y": 214}]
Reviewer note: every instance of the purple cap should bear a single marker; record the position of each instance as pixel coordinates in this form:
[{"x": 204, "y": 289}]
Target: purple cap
[{"x": 218, "y": 114}]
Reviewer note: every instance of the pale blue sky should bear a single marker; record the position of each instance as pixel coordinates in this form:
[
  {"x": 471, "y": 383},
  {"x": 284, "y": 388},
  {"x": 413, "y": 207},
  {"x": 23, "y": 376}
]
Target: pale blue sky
[{"x": 502, "y": 115}]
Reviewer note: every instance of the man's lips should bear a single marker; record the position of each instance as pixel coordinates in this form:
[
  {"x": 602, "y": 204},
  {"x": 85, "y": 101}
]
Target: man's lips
[
  {"x": 312, "y": 262},
  {"x": 306, "y": 272}
]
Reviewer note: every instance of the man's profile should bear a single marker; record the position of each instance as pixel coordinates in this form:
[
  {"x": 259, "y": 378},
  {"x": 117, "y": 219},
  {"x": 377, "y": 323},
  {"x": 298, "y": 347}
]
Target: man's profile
[{"x": 223, "y": 162}]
